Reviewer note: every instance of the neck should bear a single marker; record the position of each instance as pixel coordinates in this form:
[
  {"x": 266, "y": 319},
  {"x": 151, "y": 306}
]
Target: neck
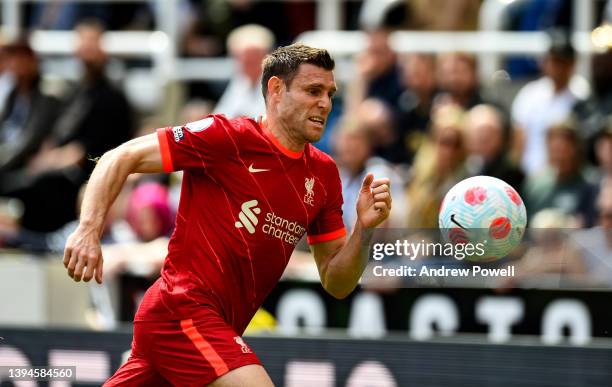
[
  {"x": 92, "y": 75},
  {"x": 25, "y": 87},
  {"x": 356, "y": 170},
  {"x": 563, "y": 176},
  {"x": 559, "y": 87},
  {"x": 283, "y": 134}
]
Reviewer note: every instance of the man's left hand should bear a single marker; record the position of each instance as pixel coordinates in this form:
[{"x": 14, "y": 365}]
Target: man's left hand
[{"x": 374, "y": 201}]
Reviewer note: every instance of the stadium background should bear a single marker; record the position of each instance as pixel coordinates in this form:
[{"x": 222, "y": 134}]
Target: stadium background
[{"x": 411, "y": 75}]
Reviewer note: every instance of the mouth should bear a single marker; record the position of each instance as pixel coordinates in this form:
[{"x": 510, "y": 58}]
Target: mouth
[{"x": 319, "y": 121}]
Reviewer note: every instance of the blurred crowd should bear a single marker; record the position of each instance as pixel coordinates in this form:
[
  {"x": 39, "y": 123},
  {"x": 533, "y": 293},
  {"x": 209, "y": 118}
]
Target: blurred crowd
[{"x": 424, "y": 120}]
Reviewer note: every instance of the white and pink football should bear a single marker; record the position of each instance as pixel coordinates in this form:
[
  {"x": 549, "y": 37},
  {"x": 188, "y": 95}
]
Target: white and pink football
[{"x": 487, "y": 210}]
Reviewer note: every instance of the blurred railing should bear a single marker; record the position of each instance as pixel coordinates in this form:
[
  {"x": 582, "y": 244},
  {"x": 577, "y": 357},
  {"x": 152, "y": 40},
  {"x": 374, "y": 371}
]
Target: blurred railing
[{"x": 161, "y": 45}]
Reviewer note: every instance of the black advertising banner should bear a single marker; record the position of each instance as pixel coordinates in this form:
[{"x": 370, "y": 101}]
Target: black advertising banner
[
  {"x": 554, "y": 315},
  {"x": 334, "y": 361}
]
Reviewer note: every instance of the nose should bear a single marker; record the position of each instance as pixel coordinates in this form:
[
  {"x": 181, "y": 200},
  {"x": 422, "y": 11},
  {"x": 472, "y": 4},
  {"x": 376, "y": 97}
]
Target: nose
[{"x": 325, "y": 103}]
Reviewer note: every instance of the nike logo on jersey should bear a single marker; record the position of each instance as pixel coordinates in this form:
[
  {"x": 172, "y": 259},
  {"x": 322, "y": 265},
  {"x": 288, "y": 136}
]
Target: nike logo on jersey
[{"x": 255, "y": 170}]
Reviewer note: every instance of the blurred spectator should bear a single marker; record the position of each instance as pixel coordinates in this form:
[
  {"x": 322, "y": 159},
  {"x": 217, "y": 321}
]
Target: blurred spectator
[
  {"x": 61, "y": 15},
  {"x": 96, "y": 118},
  {"x": 248, "y": 45},
  {"x": 378, "y": 74},
  {"x": 375, "y": 14},
  {"x": 564, "y": 185},
  {"x": 16, "y": 236},
  {"x": 213, "y": 21},
  {"x": 148, "y": 211},
  {"x": 28, "y": 112},
  {"x": 7, "y": 80},
  {"x": 595, "y": 111},
  {"x": 141, "y": 213},
  {"x": 603, "y": 157},
  {"x": 603, "y": 151},
  {"x": 544, "y": 102},
  {"x": 552, "y": 256},
  {"x": 438, "y": 165},
  {"x": 194, "y": 110},
  {"x": 458, "y": 80},
  {"x": 419, "y": 78},
  {"x": 487, "y": 141},
  {"x": 376, "y": 116},
  {"x": 596, "y": 243},
  {"x": 534, "y": 15},
  {"x": 354, "y": 155},
  {"x": 456, "y": 15},
  {"x": 65, "y": 15}
]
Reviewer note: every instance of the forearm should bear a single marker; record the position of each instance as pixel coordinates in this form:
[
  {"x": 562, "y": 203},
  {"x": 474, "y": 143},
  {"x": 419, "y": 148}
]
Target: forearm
[
  {"x": 347, "y": 265},
  {"x": 102, "y": 189}
]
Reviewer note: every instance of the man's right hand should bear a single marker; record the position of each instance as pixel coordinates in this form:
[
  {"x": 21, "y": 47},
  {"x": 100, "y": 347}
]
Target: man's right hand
[{"x": 83, "y": 255}]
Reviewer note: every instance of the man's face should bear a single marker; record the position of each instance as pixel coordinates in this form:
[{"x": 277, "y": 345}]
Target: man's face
[
  {"x": 249, "y": 59},
  {"x": 462, "y": 77},
  {"x": 379, "y": 52},
  {"x": 449, "y": 148},
  {"x": 604, "y": 205},
  {"x": 304, "y": 104},
  {"x": 353, "y": 149},
  {"x": 559, "y": 69},
  {"x": 563, "y": 154},
  {"x": 89, "y": 47},
  {"x": 23, "y": 65},
  {"x": 603, "y": 150},
  {"x": 485, "y": 135},
  {"x": 419, "y": 73}
]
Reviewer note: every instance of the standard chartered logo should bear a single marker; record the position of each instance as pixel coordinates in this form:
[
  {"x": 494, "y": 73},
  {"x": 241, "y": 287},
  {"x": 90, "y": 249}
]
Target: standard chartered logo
[
  {"x": 247, "y": 216},
  {"x": 273, "y": 225}
]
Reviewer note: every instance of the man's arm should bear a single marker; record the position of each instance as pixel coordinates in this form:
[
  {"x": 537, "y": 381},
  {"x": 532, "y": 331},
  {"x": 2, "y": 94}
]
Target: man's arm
[
  {"x": 83, "y": 255},
  {"x": 340, "y": 262}
]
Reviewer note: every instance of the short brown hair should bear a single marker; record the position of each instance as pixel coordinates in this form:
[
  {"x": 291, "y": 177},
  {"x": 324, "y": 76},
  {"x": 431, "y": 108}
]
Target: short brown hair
[{"x": 285, "y": 61}]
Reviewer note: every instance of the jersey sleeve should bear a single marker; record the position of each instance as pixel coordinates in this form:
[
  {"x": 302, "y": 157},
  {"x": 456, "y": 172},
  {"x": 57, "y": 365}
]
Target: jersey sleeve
[
  {"x": 196, "y": 144},
  {"x": 328, "y": 225}
]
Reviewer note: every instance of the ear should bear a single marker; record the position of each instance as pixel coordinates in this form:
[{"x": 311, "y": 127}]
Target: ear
[{"x": 275, "y": 87}]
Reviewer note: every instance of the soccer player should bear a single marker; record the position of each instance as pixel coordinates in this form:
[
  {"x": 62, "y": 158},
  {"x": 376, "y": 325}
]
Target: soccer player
[{"x": 251, "y": 189}]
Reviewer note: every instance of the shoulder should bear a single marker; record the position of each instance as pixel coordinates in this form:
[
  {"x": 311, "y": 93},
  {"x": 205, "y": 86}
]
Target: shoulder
[
  {"x": 212, "y": 121},
  {"x": 523, "y": 101},
  {"x": 539, "y": 86},
  {"x": 319, "y": 157},
  {"x": 234, "y": 125},
  {"x": 323, "y": 163},
  {"x": 246, "y": 124}
]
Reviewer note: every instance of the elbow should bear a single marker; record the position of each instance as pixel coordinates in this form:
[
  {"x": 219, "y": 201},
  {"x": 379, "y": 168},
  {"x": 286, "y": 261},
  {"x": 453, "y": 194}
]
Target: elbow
[
  {"x": 122, "y": 156},
  {"x": 337, "y": 287},
  {"x": 109, "y": 156},
  {"x": 338, "y": 292},
  {"x": 339, "y": 295}
]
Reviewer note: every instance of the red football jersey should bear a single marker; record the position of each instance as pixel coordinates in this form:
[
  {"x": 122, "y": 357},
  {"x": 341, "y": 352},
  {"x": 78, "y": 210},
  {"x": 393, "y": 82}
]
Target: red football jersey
[{"x": 245, "y": 203}]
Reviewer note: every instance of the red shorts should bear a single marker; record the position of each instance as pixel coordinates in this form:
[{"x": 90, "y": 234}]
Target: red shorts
[{"x": 190, "y": 352}]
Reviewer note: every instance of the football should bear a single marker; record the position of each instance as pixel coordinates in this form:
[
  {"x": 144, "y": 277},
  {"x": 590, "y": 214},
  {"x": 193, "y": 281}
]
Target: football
[{"x": 486, "y": 212}]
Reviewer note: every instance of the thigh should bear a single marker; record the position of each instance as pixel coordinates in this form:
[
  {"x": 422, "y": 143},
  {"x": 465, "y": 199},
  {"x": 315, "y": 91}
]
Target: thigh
[
  {"x": 246, "y": 376},
  {"x": 136, "y": 372},
  {"x": 196, "y": 352}
]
